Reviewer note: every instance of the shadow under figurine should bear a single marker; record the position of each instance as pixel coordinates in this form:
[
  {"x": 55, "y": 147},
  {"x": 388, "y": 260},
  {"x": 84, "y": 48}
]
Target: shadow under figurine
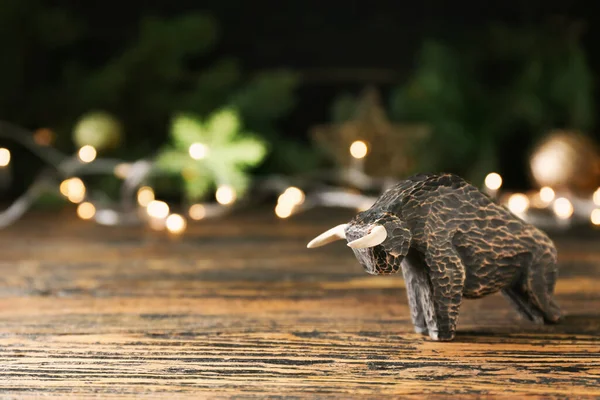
[{"x": 452, "y": 241}]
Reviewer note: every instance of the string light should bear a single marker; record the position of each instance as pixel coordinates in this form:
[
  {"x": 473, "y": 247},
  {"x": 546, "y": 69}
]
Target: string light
[
  {"x": 292, "y": 195},
  {"x": 87, "y": 153},
  {"x": 547, "y": 194},
  {"x": 595, "y": 216},
  {"x": 86, "y": 210},
  {"x": 518, "y": 203},
  {"x": 225, "y": 195},
  {"x": 122, "y": 170},
  {"x": 198, "y": 151},
  {"x": 43, "y": 137},
  {"x": 493, "y": 181},
  {"x": 596, "y": 197},
  {"x": 563, "y": 208},
  {"x": 359, "y": 149},
  {"x": 158, "y": 209},
  {"x": 176, "y": 224},
  {"x": 73, "y": 189},
  {"x": 4, "y": 157},
  {"x": 197, "y": 212},
  {"x": 284, "y": 210},
  {"x": 145, "y": 196}
]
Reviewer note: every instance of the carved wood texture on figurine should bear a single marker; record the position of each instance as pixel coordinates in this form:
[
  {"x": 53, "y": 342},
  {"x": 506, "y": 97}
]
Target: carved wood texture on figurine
[{"x": 452, "y": 242}]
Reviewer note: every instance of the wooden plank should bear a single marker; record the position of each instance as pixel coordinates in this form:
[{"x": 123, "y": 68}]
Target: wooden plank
[{"x": 240, "y": 307}]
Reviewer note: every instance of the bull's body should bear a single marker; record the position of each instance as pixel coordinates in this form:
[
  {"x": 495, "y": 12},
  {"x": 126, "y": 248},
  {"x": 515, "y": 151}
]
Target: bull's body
[{"x": 451, "y": 241}]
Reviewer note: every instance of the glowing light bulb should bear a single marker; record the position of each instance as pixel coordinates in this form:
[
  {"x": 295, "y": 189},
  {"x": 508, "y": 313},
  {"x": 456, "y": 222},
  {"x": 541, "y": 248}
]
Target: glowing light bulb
[
  {"x": 86, "y": 210},
  {"x": 43, "y": 137},
  {"x": 595, "y": 216},
  {"x": 176, "y": 223},
  {"x": 225, "y": 195},
  {"x": 493, "y": 181},
  {"x": 87, "y": 153},
  {"x": 122, "y": 170},
  {"x": 4, "y": 157},
  {"x": 73, "y": 189},
  {"x": 283, "y": 210},
  {"x": 157, "y": 224},
  {"x": 359, "y": 149},
  {"x": 547, "y": 194},
  {"x": 145, "y": 196},
  {"x": 198, "y": 151},
  {"x": 563, "y": 208},
  {"x": 197, "y": 212},
  {"x": 293, "y": 195},
  {"x": 518, "y": 203},
  {"x": 596, "y": 197},
  {"x": 158, "y": 209}
]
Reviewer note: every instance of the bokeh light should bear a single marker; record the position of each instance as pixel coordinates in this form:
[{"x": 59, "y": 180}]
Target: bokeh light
[
  {"x": 547, "y": 194},
  {"x": 596, "y": 197},
  {"x": 145, "y": 195},
  {"x": 284, "y": 210},
  {"x": 197, "y": 212},
  {"x": 595, "y": 216},
  {"x": 122, "y": 170},
  {"x": 359, "y": 149},
  {"x": 225, "y": 195},
  {"x": 73, "y": 189},
  {"x": 86, "y": 210},
  {"x": 87, "y": 153},
  {"x": 4, "y": 157},
  {"x": 198, "y": 151},
  {"x": 563, "y": 208},
  {"x": 158, "y": 209},
  {"x": 176, "y": 224},
  {"x": 292, "y": 195},
  {"x": 493, "y": 181},
  {"x": 43, "y": 137},
  {"x": 518, "y": 203}
]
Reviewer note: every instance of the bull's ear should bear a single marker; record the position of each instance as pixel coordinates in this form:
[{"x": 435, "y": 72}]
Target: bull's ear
[{"x": 399, "y": 237}]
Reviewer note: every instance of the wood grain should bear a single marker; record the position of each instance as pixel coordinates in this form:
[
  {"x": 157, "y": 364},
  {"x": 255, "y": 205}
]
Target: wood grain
[{"x": 238, "y": 308}]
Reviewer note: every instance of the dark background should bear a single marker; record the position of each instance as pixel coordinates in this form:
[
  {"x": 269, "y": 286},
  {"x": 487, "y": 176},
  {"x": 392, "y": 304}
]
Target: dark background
[{"x": 335, "y": 46}]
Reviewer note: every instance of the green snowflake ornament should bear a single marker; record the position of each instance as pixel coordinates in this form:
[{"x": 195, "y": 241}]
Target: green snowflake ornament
[{"x": 211, "y": 153}]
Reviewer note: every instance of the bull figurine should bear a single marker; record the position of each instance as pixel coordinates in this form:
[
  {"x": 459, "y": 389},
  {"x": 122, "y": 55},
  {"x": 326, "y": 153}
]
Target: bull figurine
[{"x": 452, "y": 242}]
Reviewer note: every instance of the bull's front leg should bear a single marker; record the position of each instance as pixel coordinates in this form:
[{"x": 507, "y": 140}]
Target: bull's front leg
[
  {"x": 446, "y": 276},
  {"x": 414, "y": 272}
]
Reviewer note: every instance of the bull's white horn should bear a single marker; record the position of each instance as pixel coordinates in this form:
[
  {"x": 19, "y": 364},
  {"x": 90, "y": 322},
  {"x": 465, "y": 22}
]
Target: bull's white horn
[
  {"x": 333, "y": 234},
  {"x": 375, "y": 237}
]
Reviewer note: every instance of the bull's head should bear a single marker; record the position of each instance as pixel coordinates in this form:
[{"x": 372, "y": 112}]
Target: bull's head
[{"x": 379, "y": 240}]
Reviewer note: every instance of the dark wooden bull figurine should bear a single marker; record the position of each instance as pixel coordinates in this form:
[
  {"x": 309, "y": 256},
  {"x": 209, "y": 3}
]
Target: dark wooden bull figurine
[{"x": 452, "y": 242}]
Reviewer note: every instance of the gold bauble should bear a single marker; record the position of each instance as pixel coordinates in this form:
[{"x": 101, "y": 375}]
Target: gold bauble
[{"x": 566, "y": 160}]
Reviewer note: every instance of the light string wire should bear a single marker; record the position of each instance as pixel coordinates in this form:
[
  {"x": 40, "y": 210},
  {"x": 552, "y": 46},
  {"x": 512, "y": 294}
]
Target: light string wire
[{"x": 347, "y": 189}]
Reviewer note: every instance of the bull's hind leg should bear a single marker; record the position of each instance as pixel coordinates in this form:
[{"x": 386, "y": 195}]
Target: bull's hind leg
[
  {"x": 540, "y": 279},
  {"x": 522, "y": 304}
]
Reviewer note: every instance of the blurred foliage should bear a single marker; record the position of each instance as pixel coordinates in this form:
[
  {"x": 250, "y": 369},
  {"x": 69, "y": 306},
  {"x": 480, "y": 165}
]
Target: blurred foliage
[
  {"x": 510, "y": 82},
  {"x": 159, "y": 68},
  {"x": 225, "y": 153},
  {"x": 98, "y": 129}
]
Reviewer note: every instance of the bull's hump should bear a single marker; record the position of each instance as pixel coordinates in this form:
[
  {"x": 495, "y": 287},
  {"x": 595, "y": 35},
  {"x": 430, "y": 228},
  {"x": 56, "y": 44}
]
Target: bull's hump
[{"x": 424, "y": 188}]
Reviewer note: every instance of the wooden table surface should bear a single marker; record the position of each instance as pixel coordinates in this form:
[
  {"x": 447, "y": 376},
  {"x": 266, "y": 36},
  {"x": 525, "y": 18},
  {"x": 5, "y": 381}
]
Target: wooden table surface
[{"x": 240, "y": 308}]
